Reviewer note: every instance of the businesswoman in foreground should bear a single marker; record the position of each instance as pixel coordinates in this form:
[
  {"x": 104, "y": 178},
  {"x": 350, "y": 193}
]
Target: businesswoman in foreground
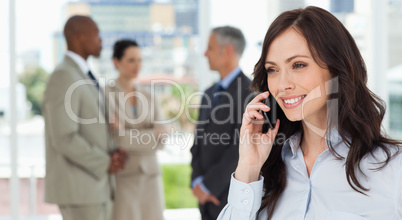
[{"x": 326, "y": 157}]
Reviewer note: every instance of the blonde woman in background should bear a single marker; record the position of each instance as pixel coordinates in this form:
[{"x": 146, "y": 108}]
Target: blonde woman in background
[{"x": 139, "y": 191}]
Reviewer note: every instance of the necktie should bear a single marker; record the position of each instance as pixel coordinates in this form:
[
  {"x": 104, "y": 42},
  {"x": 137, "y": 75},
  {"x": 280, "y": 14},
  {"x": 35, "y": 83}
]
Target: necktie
[
  {"x": 218, "y": 90},
  {"x": 104, "y": 109},
  {"x": 93, "y": 79},
  {"x": 100, "y": 93}
]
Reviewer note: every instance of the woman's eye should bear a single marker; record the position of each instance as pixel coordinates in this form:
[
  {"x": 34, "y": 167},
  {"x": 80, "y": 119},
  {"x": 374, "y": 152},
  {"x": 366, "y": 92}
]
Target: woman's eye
[
  {"x": 270, "y": 70},
  {"x": 298, "y": 65}
]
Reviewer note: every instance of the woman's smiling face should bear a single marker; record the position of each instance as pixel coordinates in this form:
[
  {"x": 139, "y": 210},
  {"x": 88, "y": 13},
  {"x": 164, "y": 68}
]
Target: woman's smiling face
[{"x": 295, "y": 80}]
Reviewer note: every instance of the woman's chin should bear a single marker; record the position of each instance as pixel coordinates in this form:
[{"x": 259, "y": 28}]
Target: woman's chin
[{"x": 293, "y": 118}]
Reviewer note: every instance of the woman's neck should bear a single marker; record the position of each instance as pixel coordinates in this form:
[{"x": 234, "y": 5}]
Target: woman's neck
[
  {"x": 312, "y": 143},
  {"x": 127, "y": 84},
  {"x": 314, "y": 131}
]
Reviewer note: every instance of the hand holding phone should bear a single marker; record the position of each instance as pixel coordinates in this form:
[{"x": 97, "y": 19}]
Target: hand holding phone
[{"x": 258, "y": 138}]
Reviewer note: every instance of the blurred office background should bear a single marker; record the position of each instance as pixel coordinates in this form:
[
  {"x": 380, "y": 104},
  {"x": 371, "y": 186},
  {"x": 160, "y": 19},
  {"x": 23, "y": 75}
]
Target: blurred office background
[{"x": 173, "y": 35}]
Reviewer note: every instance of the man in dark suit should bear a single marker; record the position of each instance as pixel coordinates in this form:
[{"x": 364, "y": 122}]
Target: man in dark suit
[{"x": 216, "y": 142}]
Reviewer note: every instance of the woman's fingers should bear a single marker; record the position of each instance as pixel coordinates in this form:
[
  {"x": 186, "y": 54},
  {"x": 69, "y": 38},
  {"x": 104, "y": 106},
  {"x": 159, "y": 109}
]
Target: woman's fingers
[
  {"x": 253, "y": 113},
  {"x": 260, "y": 97},
  {"x": 257, "y": 106},
  {"x": 253, "y": 110}
]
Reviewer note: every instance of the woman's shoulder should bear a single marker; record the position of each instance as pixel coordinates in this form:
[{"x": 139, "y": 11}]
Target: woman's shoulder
[
  {"x": 112, "y": 85},
  {"x": 387, "y": 157},
  {"x": 393, "y": 151},
  {"x": 396, "y": 155},
  {"x": 143, "y": 91}
]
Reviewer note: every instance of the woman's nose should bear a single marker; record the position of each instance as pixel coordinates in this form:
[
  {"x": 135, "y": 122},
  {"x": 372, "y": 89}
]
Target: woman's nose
[{"x": 286, "y": 81}]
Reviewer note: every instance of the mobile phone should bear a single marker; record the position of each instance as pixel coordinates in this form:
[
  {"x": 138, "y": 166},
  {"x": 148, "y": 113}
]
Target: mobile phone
[{"x": 267, "y": 122}]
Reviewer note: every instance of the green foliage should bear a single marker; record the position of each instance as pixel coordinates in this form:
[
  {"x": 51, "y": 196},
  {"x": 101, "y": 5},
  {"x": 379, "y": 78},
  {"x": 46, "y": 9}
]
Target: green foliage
[
  {"x": 176, "y": 180},
  {"x": 34, "y": 81}
]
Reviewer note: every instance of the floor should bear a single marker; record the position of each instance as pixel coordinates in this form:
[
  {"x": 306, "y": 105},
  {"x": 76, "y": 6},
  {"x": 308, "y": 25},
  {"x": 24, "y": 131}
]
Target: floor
[
  {"x": 42, "y": 208},
  {"x": 44, "y": 211}
]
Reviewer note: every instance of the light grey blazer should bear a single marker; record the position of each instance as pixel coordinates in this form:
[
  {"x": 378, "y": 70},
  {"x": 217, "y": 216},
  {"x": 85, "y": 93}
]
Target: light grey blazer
[
  {"x": 77, "y": 151},
  {"x": 140, "y": 136},
  {"x": 139, "y": 193}
]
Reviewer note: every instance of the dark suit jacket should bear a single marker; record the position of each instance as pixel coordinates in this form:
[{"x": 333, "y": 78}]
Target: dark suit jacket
[{"x": 216, "y": 143}]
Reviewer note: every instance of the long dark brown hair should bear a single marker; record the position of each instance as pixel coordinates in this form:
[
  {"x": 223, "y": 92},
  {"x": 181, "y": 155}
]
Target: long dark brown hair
[{"x": 359, "y": 114}]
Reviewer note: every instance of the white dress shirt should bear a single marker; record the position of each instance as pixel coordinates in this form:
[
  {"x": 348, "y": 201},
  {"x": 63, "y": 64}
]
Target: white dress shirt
[
  {"x": 82, "y": 64},
  {"x": 326, "y": 194}
]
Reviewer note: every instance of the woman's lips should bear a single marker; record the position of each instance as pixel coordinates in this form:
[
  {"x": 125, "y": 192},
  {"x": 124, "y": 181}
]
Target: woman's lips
[{"x": 292, "y": 101}]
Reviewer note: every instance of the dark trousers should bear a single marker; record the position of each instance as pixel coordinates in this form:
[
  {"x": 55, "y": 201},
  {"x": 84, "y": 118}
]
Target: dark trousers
[{"x": 210, "y": 211}]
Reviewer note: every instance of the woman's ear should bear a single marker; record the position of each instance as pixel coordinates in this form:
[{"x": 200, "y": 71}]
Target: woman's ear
[{"x": 116, "y": 63}]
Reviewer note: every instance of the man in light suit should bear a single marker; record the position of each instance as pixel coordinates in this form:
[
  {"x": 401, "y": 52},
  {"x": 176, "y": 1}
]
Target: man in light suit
[
  {"x": 216, "y": 145},
  {"x": 80, "y": 155}
]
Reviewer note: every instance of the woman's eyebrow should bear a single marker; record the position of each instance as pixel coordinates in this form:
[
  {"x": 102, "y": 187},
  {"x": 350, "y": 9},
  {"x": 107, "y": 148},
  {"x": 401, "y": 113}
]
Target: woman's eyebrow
[
  {"x": 295, "y": 56},
  {"x": 288, "y": 59}
]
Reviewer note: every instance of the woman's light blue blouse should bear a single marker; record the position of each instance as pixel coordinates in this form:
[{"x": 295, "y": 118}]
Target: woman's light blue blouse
[
  {"x": 326, "y": 194},
  {"x": 135, "y": 110}
]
